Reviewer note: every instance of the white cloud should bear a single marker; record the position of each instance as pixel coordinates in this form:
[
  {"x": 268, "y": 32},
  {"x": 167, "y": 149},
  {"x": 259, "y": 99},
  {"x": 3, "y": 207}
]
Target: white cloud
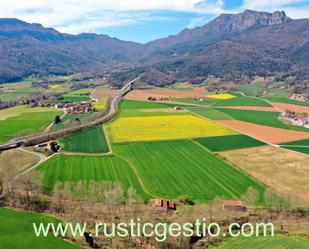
[{"x": 75, "y": 16}]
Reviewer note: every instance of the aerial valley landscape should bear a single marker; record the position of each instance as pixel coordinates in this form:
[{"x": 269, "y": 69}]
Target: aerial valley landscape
[{"x": 211, "y": 123}]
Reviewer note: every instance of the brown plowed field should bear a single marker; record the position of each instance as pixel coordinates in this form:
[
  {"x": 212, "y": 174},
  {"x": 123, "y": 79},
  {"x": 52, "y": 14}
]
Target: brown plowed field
[
  {"x": 197, "y": 92},
  {"x": 265, "y": 133},
  {"x": 104, "y": 93},
  {"x": 283, "y": 171},
  {"x": 295, "y": 108},
  {"x": 252, "y": 108}
]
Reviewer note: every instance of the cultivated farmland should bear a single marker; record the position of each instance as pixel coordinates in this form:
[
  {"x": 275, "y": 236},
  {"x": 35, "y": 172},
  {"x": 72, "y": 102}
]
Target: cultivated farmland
[
  {"x": 178, "y": 168},
  {"x": 137, "y": 104},
  {"x": 210, "y": 113},
  {"x": 277, "y": 242},
  {"x": 232, "y": 142},
  {"x": 261, "y": 118},
  {"x": 110, "y": 169},
  {"x": 90, "y": 141},
  {"x": 222, "y": 96},
  {"x": 300, "y": 146},
  {"x": 21, "y": 120},
  {"x": 242, "y": 101},
  {"x": 17, "y": 231},
  {"x": 172, "y": 127}
]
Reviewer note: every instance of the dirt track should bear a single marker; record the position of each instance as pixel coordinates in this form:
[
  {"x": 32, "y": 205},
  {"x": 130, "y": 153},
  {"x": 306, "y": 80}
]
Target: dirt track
[{"x": 265, "y": 133}]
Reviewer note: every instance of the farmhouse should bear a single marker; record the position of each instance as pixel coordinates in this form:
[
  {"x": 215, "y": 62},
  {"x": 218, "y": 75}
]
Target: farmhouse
[
  {"x": 162, "y": 205},
  {"x": 233, "y": 205},
  {"x": 48, "y": 146}
]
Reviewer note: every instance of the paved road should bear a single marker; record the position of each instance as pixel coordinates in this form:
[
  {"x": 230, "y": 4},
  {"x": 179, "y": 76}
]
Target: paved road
[{"x": 43, "y": 137}]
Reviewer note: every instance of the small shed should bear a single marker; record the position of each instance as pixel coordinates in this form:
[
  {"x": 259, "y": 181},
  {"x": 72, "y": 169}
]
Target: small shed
[{"x": 234, "y": 205}]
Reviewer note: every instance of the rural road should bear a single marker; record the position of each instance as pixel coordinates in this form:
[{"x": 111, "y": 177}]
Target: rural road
[{"x": 45, "y": 136}]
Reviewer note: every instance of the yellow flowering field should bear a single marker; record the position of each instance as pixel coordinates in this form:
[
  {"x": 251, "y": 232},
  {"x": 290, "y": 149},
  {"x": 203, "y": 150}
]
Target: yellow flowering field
[
  {"x": 100, "y": 105},
  {"x": 221, "y": 96},
  {"x": 171, "y": 127}
]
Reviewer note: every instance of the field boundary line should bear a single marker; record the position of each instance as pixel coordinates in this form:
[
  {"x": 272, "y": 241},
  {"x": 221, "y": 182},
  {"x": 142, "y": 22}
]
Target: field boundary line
[
  {"x": 107, "y": 139},
  {"x": 136, "y": 174},
  {"x": 68, "y": 153},
  {"x": 229, "y": 163}
]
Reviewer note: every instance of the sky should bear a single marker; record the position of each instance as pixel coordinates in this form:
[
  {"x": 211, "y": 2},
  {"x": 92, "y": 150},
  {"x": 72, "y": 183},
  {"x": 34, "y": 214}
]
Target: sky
[{"x": 137, "y": 20}]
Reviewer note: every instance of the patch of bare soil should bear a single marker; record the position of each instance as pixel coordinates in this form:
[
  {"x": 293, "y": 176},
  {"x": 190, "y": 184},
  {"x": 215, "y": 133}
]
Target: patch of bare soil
[
  {"x": 104, "y": 93},
  {"x": 265, "y": 133},
  {"x": 252, "y": 108},
  {"x": 291, "y": 107},
  {"x": 283, "y": 171},
  {"x": 138, "y": 94}
]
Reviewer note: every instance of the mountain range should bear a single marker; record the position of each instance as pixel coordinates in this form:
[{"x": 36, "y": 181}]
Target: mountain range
[{"x": 232, "y": 47}]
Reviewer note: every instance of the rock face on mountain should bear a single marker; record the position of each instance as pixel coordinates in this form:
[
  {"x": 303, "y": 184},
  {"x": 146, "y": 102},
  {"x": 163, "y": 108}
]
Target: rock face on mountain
[{"x": 231, "y": 46}]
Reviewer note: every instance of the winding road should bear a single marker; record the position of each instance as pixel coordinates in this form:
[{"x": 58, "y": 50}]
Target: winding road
[{"x": 46, "y": 136}]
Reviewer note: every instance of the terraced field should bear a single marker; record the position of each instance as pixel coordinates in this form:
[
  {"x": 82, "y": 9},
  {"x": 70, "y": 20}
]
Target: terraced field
[
  {"x": 277, "y": 242},
  {"x": 90, "y": 141},
  {"x": 173, "y": 169},
  {"x": 232, "y": 142},
  {"x": 17, "y": 231},
  {"x": 171, "y": 127},
  {"x": 21, "y": 120},
  {"x": 261, "y": 118}
]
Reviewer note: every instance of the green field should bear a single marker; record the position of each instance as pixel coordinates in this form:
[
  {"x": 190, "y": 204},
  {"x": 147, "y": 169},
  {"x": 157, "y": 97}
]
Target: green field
[
  {"x": 111, "y": 169},
  {"x": 150, "y": 112},
  {"x": 297, "y": 146},
  {"x": 17, "y": 232},
  {"x": 195, "y": 102},
  {"x": 210, "y": 113},
  {"x": 64, "y": 98},
  {"x": 163, "y": 169},
  {"x": 13, "y": 91},
  {"x": 178, "y": 168},
  {"x": 138, "y": 104},
  {"x": 242, "y": 101},
  {"x": 277, "y": 242},
  {"x": 261, "y": 118},
  {"x": 287, "y": 100},
  {"x": 90, "y": 141},
  {"x": 224, "y": 143},
  {"x": 22, "y": 121}
]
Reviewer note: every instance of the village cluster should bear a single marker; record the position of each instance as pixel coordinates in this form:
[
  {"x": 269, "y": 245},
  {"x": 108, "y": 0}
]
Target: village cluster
[
  {"x": 78, "y": 107},
  {"x": 294, "y": 118}
]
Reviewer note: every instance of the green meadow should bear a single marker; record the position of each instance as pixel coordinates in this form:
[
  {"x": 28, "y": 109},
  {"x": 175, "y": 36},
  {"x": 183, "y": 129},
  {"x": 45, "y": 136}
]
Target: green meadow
[
  {"x": 112, "y": 169},
  {"x": 300, "y": 146},
  {"x": 21, "y": 120},
  {"x": 89, "y": 141},
  {"x": 17, "y": 232},
  {"x": 242, "y": 101},
  {"x": 209, "y": 113},
  {"x": 138, "y": 104},
  {"x": 231, "y": 142},
  {"x": 276, "y": 242},
  {"x": 165, "y": 169}
]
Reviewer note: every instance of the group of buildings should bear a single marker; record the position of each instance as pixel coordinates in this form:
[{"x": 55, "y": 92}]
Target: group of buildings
[
  {"x": 77, "y": 107},
  {"x": 294, "y": 118}
]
